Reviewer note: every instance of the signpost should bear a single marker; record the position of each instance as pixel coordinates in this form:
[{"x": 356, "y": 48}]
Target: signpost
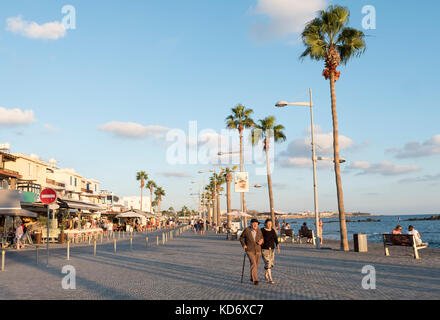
[{"x": 48, "y": 197}]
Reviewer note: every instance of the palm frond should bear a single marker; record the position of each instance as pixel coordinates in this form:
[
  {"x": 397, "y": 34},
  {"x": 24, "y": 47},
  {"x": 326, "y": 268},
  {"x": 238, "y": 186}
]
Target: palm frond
[{"x": 350, "y": 43}]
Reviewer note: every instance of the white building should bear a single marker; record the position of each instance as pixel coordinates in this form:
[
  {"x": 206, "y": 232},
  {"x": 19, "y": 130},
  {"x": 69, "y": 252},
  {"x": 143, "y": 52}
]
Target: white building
[{"x": 135, "y": 203}]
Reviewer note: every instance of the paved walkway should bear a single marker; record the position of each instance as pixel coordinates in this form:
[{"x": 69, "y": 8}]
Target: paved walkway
[{"x": 209, "y": 267}]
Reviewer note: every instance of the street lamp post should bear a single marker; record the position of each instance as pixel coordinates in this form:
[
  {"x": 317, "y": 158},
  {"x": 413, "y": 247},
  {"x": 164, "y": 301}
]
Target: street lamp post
[
  {"x": 315, "y": 185},
  {"x": 214, "y": 203},
  {"x": 243, "y": 205}
]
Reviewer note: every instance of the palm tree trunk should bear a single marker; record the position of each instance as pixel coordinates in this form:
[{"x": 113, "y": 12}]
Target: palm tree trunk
[
  {"x": 269, "y": 183},
  {"x": 228, "y": 201},
  {"x": 342, "y": 222},
  {"x": 214, "y": 207},
  {"x": 209, "y": 212},
  {"x": 151, "y": 199},
  {"x": 243, "y": 200},
  {"x": 218, "y": 209},
  {"x": 142, "y": 191}
]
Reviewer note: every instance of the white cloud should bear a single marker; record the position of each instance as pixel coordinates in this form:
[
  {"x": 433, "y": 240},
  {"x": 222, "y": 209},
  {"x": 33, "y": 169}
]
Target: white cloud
[
  {"x": 303, "y": 162},
  {"x": 416, "y": 149},
  {"x": 175, "y": 174},
  {"x": 426, "y": 178},
  {"x": 299, "y": 151},
  {"x": 49, "y": 31},
  {"x": 285, "y": 17},
  {"x": 133, "y": 130},
  {"x": 50, "y": 127},
  {"x": 382, "y": 168},
  {"x": 15, "y": 117}
]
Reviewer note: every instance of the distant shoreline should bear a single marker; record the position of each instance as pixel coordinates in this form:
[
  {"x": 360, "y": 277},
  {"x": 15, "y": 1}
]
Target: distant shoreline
[
  {"x": 335, "y": 215},
  {"x": 348, "y": 215}
]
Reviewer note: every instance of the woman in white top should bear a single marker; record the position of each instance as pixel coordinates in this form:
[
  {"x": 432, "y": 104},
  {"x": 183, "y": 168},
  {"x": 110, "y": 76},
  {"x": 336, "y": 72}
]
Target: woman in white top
[
  {"x": 18, "y": 235},
  {"x": 416, "y": 234}
]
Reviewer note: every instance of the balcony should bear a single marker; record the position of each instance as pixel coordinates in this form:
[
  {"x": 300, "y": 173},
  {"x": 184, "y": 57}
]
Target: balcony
[
  {"x": 54, "y": 184},
  {"x": 9, "y": 173}
]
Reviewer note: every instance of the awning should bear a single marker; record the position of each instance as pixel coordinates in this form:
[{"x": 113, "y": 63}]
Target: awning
[
  {"x": 145, "y": 214},
  {"x": 10, "y": 205},
  {"x": 130, "y": 214},
  {"x": 72, "y": 204},
  {"x": 15, "y": 212}
]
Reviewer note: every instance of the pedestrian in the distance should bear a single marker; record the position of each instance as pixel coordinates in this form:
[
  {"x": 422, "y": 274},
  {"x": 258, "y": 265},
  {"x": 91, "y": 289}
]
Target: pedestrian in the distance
[
  {"x": 268, "y": 248},
  {"x": 251, "y": 240}
]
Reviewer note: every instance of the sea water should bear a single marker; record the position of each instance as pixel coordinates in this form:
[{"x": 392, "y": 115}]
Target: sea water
[{"x": 429, "y": 229}]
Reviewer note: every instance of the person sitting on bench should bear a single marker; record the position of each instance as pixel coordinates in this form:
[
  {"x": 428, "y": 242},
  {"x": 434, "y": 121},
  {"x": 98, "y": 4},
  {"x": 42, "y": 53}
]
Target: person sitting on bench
[
  {"x": 397, "y": 230},
  {"x": 416, "y": 234},
  {"x": 305, "y": 232}
]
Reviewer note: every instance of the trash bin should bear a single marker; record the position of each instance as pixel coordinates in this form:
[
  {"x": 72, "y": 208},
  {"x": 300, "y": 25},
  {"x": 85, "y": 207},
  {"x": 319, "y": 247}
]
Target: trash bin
[
  {"x": 360, "y": 242},
  {"x": 37, "y": 237}
]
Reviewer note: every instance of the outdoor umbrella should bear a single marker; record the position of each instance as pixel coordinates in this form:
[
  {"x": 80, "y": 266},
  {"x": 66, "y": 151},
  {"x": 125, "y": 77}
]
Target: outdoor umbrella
[{"x": 129, "y": 214}]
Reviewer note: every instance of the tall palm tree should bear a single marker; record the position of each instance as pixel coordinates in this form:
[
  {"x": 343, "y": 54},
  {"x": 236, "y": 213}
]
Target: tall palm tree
[
  {"x": 328, "y": 38},
  {"x": 217, "y": 180},
  {"x": 240, "y": 119},
  {"x": 227, "y": 175},
  {"x": 264, "y": 131},
  {"x": 211, "y": 189},
  {"x": 142, "y": 176},
  {"x": 159, "y": 192},
  {"x": 151, "y": 185},
  {"x": 208, "y": 197},
  {"x": 154, "y": 203}
]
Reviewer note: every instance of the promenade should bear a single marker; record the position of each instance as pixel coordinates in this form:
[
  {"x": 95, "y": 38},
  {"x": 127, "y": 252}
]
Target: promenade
[{"x": 209, "y": 267}]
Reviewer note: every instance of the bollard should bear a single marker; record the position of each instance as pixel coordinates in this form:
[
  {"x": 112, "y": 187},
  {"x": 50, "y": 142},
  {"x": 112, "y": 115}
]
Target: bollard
[
  {"x": 157, "y": 240},
  {"x": 115, "y": 245},
  {"x": 146, "y": 242},
  {"x": 89, "y": 238},
  {"x": 163, "y": 238},
  {"x": 36, "y": 253},
  {"x": 68, "y": 250},
  {"x": 101, "y": 238},
  {"x": 3, "y": 260},
  {"x": 131, "y": 243},
  {"x": 94, "y": 248}
]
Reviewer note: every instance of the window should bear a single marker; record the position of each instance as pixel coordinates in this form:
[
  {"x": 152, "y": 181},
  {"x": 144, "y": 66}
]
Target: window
[
  {"x": 71, "y": 180},
  {"x": 76, "y": 182}
]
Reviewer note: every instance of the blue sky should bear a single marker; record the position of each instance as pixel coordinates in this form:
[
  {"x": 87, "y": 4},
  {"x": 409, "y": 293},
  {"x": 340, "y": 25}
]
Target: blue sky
[{"x": 103, "y": 95}]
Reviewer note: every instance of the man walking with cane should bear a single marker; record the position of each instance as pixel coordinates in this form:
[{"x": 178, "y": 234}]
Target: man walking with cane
[{"x": 251, "y": 240}]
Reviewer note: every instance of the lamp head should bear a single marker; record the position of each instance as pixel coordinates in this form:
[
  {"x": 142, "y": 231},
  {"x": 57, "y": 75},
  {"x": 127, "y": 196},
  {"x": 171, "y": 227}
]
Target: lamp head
[{"x": 281, "y": 104}]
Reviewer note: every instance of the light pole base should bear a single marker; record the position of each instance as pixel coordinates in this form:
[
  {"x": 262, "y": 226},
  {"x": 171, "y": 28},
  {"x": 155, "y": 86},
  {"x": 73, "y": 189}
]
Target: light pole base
[{"x": 318, "y": 243}]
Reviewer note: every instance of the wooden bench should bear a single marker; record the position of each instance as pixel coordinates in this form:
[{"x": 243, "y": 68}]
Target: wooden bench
[
  {"x": 310, "y": 234},
  {"x": 404, "y": 240},
  {"x": 287, "y": 235}
]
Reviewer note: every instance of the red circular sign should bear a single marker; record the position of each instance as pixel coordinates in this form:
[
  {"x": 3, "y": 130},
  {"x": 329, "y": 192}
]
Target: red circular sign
[{"x": 48, "y": 196}]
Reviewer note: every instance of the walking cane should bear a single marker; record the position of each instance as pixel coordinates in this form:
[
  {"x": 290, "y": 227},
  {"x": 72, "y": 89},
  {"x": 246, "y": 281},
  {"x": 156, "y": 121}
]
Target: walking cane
[{"x": 242, "y": 271}]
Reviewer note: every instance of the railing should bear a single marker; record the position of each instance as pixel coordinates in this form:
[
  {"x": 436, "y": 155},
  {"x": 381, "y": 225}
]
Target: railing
[
  {"x": 7, "y": 171},
  {"x": 54, "y": 183}
]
